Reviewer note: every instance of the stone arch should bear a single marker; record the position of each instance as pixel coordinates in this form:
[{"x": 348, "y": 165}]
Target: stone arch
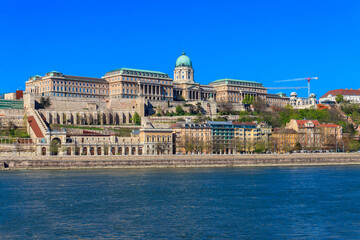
[
  {"x": 126, "y": 150},
  {"x": 129, "y": 117},
  {"x": 120, "y": 150},
  {"x": 92, "y": 151},
  {"x": 140, "y": 150},
  {"x": 43, "y": 151},
  {"x": 55, "y": 145},
  {"x": 116, "y": 119},
  {"x": 85, "y": 151},
  {"x": 106, "y": 151},
  {"x": 124, "y": 118},
  {"x": 112, "y": 151},
  {"x": 104, "y": 119},
  {"x": 68, "y": 151},
  {"x": 77, "y": 151},
  {"x": 98, "y": 151},
  {"x": 133, "y": 151}
]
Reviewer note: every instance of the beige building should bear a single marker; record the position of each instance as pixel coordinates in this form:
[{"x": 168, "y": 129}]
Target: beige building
[
  {"x": 277, "y": 100},
  {"x": 59, "y": 85},
  {"x": 284, "y": 140},
  {"x": 192, "y": 137},
  {"x": 131, "y": 83},
  {"x": 314, "y": 134},
  {"x": 232, "y": 90}
]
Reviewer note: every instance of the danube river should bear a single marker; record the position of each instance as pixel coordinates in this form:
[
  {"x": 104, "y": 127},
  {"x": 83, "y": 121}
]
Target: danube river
[{"x": 221, "y": 203}]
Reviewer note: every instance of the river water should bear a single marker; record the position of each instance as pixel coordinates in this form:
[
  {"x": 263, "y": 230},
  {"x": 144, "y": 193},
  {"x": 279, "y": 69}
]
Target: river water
[{"x": 200, "y": 203}]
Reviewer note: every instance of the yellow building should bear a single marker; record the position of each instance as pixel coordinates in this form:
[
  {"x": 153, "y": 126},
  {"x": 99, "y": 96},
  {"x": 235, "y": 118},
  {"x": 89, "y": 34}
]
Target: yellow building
[
  {"x": 246, "y": 135},
  {"x": 192, "y": 137},
  {"x": 284, "y": 140}
]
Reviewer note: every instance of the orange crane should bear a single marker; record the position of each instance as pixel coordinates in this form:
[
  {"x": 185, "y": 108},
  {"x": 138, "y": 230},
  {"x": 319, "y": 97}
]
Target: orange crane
[{"x": 308, "y": 79}]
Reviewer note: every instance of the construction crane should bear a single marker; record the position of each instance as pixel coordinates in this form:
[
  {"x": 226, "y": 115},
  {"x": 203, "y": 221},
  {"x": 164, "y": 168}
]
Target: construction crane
[
  {"x": 285, "y": 87},
  {"x": 308, "y": 79}
]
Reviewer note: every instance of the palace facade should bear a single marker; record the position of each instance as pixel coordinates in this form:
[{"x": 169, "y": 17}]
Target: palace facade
[{"x": 150, "y": 85}]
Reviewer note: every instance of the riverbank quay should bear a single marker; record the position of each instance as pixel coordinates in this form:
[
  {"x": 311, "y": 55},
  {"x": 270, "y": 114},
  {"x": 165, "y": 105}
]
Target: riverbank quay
[{"x": 168, "y": 161}]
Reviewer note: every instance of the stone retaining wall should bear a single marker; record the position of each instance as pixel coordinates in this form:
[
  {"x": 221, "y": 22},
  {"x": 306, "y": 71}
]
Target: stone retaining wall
[{"x": 77, "y": 162}]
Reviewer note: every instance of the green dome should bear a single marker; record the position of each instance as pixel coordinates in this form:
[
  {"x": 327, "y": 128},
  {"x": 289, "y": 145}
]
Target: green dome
[{"x": 183, "y": 61}]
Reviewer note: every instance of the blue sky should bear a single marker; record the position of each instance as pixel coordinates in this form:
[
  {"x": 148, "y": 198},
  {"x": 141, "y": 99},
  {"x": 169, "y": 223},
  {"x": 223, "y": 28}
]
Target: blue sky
[{"x": 261, "y": 41}]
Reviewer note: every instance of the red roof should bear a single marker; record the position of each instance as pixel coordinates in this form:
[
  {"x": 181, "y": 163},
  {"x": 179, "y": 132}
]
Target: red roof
[
  {"x": 342, "y": 92},
  {"x": 302, "y": 122},
  {"x": 175, "y": 125},
  {"x": 35, "y": 127},
  {"x": 245, "y": 123},
  {"x": 330, "y": 125}
]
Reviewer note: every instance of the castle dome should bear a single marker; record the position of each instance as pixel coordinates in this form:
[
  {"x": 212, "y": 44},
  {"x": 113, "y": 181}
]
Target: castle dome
[{"x": 183, "y": 61}]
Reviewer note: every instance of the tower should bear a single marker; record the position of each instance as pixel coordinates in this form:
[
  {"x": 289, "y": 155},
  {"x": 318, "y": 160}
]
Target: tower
[{"x": 183, "y": 73}]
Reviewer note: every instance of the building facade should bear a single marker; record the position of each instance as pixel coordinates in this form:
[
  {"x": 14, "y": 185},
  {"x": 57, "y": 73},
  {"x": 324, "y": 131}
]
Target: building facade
[
  {"x": 232, "y": 90},
  {"x": 131, "y": 83},
  {"x": 350, "y": 95},
  {"x": 192, "y": 137}
]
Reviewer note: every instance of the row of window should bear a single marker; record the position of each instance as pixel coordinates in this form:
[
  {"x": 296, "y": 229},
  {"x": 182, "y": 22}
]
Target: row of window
[
  {"x": 140, "y": 80},
  {"x": 80, "y": 90}
]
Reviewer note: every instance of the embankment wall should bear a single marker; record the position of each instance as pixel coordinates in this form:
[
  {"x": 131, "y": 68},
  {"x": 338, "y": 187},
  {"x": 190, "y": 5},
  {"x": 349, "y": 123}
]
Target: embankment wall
[{"x": 78, "y": 162}]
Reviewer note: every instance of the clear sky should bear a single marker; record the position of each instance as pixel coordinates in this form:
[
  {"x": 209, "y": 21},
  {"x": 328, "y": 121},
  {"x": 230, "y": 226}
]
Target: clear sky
[{"x": 254, "y": 40}]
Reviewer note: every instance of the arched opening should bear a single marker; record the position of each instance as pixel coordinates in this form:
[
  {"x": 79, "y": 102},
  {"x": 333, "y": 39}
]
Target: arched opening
[
  {"x": 92, "y": 151},
  {"x": 133, "y": 151},
  {"x": 85, "y": 151},
  {"x": 99, "y": 151},
  {"x": 77, "y": 151},
  {"x": 55, "y": 146},
  {"x": 126, "y": 151},
  {"x": 106, "y": 151},
  {"x": 113, "y": 151},
  {"x": 140, "y": 151},
  {"x": 120, "y": 151},
  {"x": 68, "y": 151},
  {"x": 43, "y": 151}
]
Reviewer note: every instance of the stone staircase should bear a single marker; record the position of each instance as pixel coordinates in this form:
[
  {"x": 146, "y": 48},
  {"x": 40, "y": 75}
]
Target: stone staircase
[{"x": 37, "y": 125}]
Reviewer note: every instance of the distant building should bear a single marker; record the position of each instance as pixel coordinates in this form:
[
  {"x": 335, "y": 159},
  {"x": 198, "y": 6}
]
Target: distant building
[
  {"x": 246, "y": 135},
  {"x": 222, "y": 134},
  {"x": 277, "y": 100},
  {"x": 14, "y": 95},
  {"x": 350, "y": 95},
  {"x": 302, "y": 103},
  {"x": 233, "y": 90},
  {"x": 284, "y": 140},
  {"x": 196, "y": 134},
  {"x": 314, "y": 134}
]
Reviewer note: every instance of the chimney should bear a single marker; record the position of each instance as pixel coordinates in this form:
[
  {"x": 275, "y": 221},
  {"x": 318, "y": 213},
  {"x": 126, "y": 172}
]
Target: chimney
[
  {"x": 350, "y": 88},
  {"x": 345, "y": 88}
]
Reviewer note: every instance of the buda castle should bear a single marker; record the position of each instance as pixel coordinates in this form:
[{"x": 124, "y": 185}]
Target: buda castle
[{"x": 128, "y": 83}]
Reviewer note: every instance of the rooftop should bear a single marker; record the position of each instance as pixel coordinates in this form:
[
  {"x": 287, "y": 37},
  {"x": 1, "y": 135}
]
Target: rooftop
[
  {"x": 122, "y": 70},
  {"x": 236, "y": 80},
  {"x": 342, "y": 92}
]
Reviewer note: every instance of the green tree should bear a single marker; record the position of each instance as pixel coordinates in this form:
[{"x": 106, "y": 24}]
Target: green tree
[
  {"x": 339, "y": 98},
  {"x": 136, "y": 119},
  {"x": 260, "y": 147},
  {"x": 248, "y": 99},
  {"x": 55, "y": 146},
  {"x": 179, "y": 110},
  {"x": 354, "y": 145},
  {"x": 298, "y": 146}
]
